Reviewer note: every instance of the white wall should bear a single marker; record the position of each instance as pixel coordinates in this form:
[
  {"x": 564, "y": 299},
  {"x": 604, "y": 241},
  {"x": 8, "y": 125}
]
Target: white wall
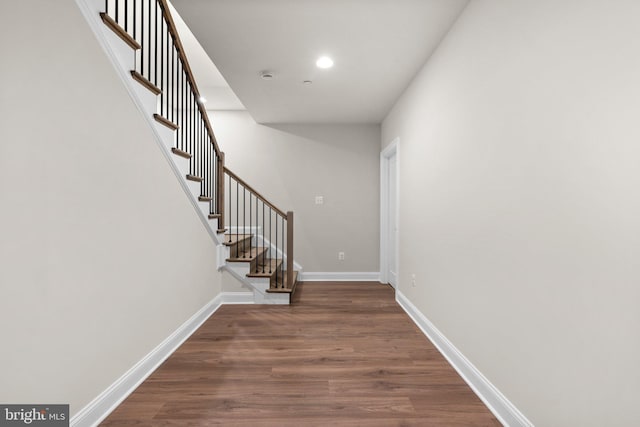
[
  {"x": 519, "y": 208},
  {"x": 291, "y": 164},
  {"x": 102, "y": 254}
]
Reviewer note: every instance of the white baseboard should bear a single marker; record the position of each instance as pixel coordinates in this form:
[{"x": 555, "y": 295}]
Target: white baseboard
[
  {"x": 497, "y": 403},
  {"x": 100, "y": 407},
  {"x": 339, "y": 276}
]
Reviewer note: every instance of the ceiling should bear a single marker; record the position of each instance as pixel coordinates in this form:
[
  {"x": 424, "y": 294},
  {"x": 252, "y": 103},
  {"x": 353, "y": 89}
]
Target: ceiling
[
  {"x": 377, "y": 47},
  {"x": 212, "y": 86}
]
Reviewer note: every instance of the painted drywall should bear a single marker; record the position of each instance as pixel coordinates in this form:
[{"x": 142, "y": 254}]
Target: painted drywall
[
  {"x": 291, "y": 164},
  {"x": 519, "y": 202},
  {"x": 102, "y": 254}
]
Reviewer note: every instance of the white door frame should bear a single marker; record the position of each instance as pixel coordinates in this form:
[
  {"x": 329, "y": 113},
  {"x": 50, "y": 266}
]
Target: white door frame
[{"x": 392, "y": 149}]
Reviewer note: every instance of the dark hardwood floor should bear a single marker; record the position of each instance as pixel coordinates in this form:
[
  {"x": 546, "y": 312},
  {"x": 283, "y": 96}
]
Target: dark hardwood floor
[{"x": 343, "y": 354}]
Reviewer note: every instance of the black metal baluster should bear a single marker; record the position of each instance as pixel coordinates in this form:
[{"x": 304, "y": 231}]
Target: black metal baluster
[
  {"x": 194, "y": 135},
  {"x": 258, "y": 228},
  {"x": 263, "y": 233},
  {"x": 169, "y": 84},
  {"x": 215, "y": 182},
  {"x": 194, "y": 147},
  {"x": 117, "y": 10},
  {"x": 135, "y": 16},
  {"x": 179, "y": 100},
  {"x": 200, "y": 150},
  {"x": 230, "y": 212},
  {"x": 155, "y": 50},
  {"x": 149, "y": 41},
  {"x": 203, "y": 155},
  {"x": 162, "y": 92},
  {"x": 210, "y": 169},
  {"x": 244, "y": 220},
  {"x": 237, "y": 209},
  {"x": 142, "y": 38},
  {"x": 170, "y": 52},
  {"x": 211, "y": 177},
  {"x": 277, "y": 250},
  {"x": 179, "y": 104},
  {"x": 270, "y": 239},
  {"x": 201, "y": 145},
  {"x": 207, "y": 168},
  {"x": 126, "y": 15},
  {"x": 184, "y": 113},
  {"x": 251, "y": 221},
  {"x": 189, "y": 127},
  {"x": 283, "y": 243},
  {"x": 215, "y": 188}
]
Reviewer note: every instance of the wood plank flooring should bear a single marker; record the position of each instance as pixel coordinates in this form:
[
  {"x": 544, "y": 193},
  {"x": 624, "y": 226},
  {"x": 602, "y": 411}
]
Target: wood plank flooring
[{"x": 343, "y": 354}]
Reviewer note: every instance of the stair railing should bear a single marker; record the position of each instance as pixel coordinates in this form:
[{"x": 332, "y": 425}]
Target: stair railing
[
  {"x": 161, "y": 66},
  {"x": 251, "y": 213}
]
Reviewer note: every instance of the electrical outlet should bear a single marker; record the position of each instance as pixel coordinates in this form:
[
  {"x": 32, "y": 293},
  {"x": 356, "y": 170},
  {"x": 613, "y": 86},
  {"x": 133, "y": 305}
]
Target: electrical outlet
[
  {"x": 413, "y": 280},
  {"x": 340, "y": 256},
  {"x": 319, "y": 200}
]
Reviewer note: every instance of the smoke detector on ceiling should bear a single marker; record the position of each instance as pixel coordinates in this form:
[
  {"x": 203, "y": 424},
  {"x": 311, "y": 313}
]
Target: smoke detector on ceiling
[{"x": 266, "y": 75}]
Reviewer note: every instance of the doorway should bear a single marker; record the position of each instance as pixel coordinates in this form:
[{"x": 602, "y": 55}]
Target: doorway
[{"x": 389, "y": 214}]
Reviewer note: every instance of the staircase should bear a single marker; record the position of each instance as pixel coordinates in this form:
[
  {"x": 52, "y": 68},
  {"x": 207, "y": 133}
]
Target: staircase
[{"x": 254, "y": 237}]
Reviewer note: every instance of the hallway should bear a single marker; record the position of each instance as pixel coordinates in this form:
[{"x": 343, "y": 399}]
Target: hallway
[{"x": 343, "y": 353}]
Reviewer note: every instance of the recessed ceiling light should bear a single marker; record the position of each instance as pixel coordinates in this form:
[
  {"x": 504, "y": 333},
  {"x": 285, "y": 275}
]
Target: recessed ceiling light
[
  {"x": 324, "y": 62},
  {"x": 307, "y": 82},
  {"x": 202, "y": 100}
]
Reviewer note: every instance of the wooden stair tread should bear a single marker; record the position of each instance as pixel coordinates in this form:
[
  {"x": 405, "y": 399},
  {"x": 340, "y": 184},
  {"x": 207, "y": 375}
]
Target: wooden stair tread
[
  {"x": 145, "y": 82},
  {"x": 195, "y": 178},
  {"x": 204, "y": 199},
  {"x": 221, "y": 230},
  {"x": 214, "y": 216},
  {"x": 232, "y": 239},
  {"x": 270, "y": 264},
  {"x": 179, "y": 152},
  {"x": 250, "y": 255},
  {"x": 119, "y": 31},
  {"x": 285, "y": 289},
  {"x": 166, "y": 122}
]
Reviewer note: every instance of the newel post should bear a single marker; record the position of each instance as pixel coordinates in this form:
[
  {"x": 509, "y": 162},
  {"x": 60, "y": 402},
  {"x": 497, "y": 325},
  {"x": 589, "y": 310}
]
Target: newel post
[
  {"x": 290, "y": 249},
  {"x": 220, "y": 190}
]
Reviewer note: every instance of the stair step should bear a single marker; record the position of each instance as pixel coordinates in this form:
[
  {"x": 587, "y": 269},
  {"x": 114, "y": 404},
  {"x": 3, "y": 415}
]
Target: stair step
[
  {"x": 214, "y": 216},
  {"x": 144, "y": 82},
  {"x": 270, "y": 264},
  {"x": 204, "y": 199},
  {"x": 195, "y": 178},
  {"x": 120, "y": 32},
  {"x": 221, "y": 230},
  {"x": 248, "y": 255},
  {"x": 165, "y": 122},
  {"x": 232, "y": 239},
  {"x": 179, "y": 152},
  {"x": 283, "y": 287}
]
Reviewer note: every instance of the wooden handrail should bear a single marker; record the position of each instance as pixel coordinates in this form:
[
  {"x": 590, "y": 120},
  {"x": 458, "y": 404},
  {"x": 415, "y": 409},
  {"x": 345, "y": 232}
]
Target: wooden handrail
[
  {"x": 171, "y": 26},
  {"x": 254, "y": 191}
]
